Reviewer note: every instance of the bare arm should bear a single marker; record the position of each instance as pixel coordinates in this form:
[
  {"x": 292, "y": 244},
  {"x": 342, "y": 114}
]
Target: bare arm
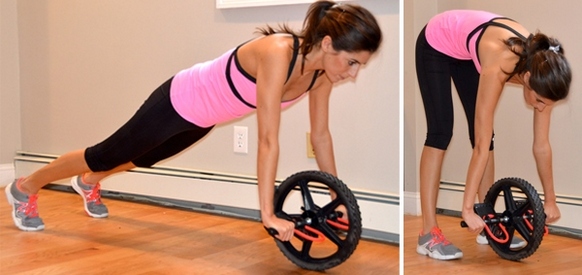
[
  {"x": 495, "y": 59},
  {"x": 319, "y": 119},
  {"x": 490, "y": 87},
  {"x": 543, "y": 155},
  {"x": 271, "y": 72}
]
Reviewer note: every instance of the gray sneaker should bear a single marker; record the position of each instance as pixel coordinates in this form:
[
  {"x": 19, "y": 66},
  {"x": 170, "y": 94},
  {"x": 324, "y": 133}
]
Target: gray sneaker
[
  {"x": 24, "y": 208},
  {"x": 516, "y": 242},
  {"x": 436, "y": 246},
  {"x": 91, "y": 195}
]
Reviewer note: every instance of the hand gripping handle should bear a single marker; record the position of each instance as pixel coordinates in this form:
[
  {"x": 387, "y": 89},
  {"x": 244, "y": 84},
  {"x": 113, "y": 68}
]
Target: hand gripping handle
[{"x": 311, "y": 234}]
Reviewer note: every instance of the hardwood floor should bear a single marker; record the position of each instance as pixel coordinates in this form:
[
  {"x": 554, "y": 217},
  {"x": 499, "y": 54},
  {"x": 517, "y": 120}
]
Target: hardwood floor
[
  {"x": 146, "y": 239},
  {"x": 556, "y": 254}
]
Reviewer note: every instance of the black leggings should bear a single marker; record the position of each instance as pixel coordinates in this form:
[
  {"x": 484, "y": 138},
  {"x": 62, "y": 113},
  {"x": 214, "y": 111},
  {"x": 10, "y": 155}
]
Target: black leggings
[
  {"x": 434, "y": 71},
  {"x": 155, "y": 132}
]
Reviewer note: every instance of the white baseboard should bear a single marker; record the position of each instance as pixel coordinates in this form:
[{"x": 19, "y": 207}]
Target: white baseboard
[
  {"x": 412, "y": 203},
  {"x": 224, "y": 193},
  {"x": 6, "y": 174}
]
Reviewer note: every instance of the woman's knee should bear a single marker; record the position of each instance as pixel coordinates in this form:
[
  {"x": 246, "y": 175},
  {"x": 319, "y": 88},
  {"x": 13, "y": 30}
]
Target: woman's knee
[{"x": 439, "y": 141}]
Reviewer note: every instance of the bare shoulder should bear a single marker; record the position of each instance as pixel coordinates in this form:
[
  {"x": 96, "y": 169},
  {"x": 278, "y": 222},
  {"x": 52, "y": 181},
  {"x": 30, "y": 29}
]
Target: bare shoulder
[
  {"x": 494, "y": 54},
  {"x": 267, "y": 50},
  {"x": 493, "y": 38}
]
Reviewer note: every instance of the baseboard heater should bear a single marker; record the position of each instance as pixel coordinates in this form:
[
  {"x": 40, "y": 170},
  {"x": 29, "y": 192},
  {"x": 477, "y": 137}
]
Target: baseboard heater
[
  {"x": 214, "y": 192},
  {"x": 570, "y": 225}
]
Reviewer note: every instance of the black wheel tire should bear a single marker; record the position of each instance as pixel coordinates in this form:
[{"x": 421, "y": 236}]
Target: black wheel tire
[
  {"x": 530, "y": 203},
  {"x": 342, "y": 243}
]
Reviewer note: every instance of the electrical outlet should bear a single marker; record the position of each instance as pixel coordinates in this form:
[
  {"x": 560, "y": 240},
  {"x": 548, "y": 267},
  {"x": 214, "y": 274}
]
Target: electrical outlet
[
  {"x": 241, "y": 140},
  {"x": 310, "y": 152}
]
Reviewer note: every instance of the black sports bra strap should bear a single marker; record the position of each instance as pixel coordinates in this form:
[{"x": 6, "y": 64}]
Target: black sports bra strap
[
  {"x": 315, "y": 76},
  {"x": 291, "y": 66},
  {"x": 294, "y": 58},
  {"x": 496, "y": 24},
  {"x": 230, "y": 82}
]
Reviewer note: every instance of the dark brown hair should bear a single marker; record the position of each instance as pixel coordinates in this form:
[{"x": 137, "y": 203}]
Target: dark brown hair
[
  {"x": 544, "y": 58},
  {"x": 352, "y": 28}
]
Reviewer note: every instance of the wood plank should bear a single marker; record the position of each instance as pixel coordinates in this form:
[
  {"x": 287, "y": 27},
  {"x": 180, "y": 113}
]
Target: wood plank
[{"x": 147, "y": 239}]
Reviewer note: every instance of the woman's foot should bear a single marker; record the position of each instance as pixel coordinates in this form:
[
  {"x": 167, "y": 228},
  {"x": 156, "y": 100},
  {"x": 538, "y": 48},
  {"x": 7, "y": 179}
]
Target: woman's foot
[
  {"x": 24, "y": 208},
  {"x": 435, "y": 245},
  {"x": 91, "y": 194}
]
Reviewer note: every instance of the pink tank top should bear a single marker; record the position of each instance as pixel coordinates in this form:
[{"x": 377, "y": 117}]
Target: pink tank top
[
  {"x": 215, "y": 91},
  {"x": 448, "y": 32}
]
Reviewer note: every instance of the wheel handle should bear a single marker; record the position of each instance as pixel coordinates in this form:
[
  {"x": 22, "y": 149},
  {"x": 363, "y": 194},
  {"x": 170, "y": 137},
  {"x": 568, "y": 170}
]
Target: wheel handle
[{"x": 313, "y": 235}]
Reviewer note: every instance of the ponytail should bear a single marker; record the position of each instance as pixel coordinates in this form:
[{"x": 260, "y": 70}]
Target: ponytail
[
  {"x": 352, "y": 28},
  {"x": 311, "y": 37}
]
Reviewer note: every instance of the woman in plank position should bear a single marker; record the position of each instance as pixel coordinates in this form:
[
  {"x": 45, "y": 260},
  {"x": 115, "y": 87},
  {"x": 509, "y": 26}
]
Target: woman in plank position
[{"x": 265, "y": 74}]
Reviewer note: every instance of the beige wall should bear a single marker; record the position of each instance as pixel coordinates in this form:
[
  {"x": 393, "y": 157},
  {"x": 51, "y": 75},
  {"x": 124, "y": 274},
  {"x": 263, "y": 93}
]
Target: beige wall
[
  {"x": 86, "y": 66},
  {"x": 9, "y": 84},
  {"x": 416, "y": 14},
  {"x": 513, "y": 124}
]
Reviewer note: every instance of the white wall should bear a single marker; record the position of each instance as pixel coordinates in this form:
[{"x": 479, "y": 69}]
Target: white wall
[
  {"x": 86, "y": 66},
  {"x": 513, "y": 124},
  {"x": 416, "y": 14},
  {"x": 9, "y": 90}
]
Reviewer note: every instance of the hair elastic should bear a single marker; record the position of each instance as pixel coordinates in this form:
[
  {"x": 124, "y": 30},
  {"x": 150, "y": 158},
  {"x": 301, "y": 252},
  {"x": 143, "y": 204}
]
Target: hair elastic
[
  {"x": 338, "y": 6},
  {"x": 555, "y": 49}
]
